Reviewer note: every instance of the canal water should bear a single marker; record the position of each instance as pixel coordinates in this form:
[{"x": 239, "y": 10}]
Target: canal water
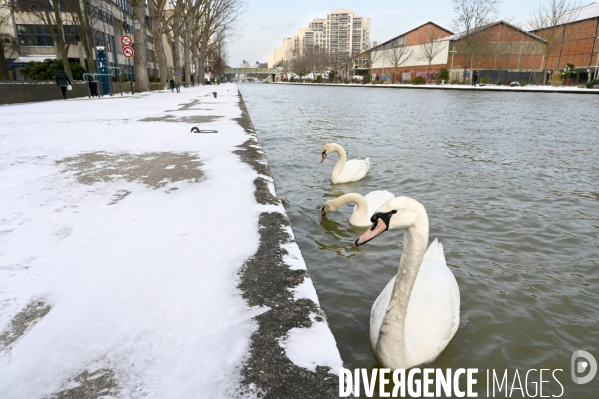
[{"x": 510, "y": 184}]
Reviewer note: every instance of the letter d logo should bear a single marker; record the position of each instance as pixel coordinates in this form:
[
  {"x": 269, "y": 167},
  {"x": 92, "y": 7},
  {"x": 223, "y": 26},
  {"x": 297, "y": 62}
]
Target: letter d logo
[{"x": 581, "y": 366}]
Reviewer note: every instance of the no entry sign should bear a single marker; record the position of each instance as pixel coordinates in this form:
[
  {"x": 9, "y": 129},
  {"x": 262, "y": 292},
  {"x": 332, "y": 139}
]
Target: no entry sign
[
  {"x": 126, "y": 40},
  {"x": 128, "y": 52}
]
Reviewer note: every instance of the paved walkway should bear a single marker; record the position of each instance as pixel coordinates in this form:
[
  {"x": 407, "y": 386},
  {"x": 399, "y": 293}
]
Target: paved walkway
[{"x": 139, "y": 259}]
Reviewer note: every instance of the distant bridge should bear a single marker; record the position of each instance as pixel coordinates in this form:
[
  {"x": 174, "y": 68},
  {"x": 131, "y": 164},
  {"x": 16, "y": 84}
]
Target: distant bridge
[{"x": 253, "y": 71}]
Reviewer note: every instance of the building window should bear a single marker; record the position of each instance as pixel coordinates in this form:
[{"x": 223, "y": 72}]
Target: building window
[
  {"x": 70, "y": 34},
  {"x": 32, "y": 5},
  {"x": 102, "y": 39},
  {"x": 34, "y": 35}
]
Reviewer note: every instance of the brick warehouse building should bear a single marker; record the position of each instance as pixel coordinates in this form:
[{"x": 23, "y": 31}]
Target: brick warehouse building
[
  {"x": 500, "y": 50},
  {"x": 576, "y": 42}
]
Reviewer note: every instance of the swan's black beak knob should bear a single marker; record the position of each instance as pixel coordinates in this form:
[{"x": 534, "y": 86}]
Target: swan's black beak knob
[{"x": 324, "y": 155}]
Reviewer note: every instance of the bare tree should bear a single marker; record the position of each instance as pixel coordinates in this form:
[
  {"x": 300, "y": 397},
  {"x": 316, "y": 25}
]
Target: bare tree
[
  {"x": 8, "y": 43},
  {"x": 372, "y": 56},
  {"x": 219, "y": 16},
  {"x": 158, "y": 29},
  {"x": 547, "y": 20},
  {"x": 51, "y": 16},
  {"x": 397, "y": 56},
  {"x": 140, "y": 57},
  {"x": 428, "y": 50},
  {"x": 471, "y": 17}
]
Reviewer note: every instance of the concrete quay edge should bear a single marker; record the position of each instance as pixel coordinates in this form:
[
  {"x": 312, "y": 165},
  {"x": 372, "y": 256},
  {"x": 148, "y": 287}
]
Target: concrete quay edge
[
  {"x": 265, "y": 280},
  {"x": 521, "y": 89}
]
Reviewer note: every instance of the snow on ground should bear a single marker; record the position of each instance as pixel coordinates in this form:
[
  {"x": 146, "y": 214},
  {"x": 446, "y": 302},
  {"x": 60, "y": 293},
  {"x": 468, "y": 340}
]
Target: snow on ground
[
  {"x": 313, "y": 346},
  {"x": 139, "y": 273}
]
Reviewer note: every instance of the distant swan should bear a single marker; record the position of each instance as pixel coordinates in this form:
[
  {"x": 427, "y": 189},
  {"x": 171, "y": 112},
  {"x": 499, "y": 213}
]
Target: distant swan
[
  {"x": 418, "y": 312},
  {"x": 345, "y": 171},
  {"x": 365, "y": 206}
]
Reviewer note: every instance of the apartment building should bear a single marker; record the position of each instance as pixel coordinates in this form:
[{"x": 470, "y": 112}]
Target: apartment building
[
  {"x": 342, "y": 34},
  {"x": 107, "y": 20},
  {"x": 347, "y": 35}
]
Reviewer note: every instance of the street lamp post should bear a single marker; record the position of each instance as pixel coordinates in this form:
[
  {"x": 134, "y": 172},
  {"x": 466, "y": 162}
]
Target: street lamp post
[{"x": 451, "y": 70}]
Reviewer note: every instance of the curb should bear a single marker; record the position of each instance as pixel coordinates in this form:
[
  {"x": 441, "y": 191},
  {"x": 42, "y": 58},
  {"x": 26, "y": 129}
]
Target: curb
[{"x": 265, "y": 280}]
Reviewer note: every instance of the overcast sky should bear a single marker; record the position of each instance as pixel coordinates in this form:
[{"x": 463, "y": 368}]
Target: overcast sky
[{"x": 266, "y": 22}]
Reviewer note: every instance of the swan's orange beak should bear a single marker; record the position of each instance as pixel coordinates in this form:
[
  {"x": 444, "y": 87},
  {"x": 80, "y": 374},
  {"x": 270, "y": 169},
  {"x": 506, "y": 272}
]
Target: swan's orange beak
[
  {"x": 324, "y": 155},
  {"x": 375, "y": 229}
]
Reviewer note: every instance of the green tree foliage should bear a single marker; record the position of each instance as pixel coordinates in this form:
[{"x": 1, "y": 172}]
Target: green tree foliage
[
  {"x": 443, "y": 75},
  {"x": 47, "y": 69}
]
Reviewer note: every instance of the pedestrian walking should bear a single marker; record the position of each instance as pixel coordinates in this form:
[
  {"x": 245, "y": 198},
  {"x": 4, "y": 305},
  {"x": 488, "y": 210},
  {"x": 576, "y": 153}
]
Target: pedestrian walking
[
  {"x": 93, "y": 86},
  {"x": 63, "y": 81},
  {"x": 178, "y": 83},
  {"x": 171, "y": 79},
  {"x": 474, "y": 78}
]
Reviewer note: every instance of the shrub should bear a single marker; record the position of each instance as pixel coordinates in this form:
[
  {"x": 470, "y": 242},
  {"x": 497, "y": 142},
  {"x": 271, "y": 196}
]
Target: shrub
[
  {"x": 592, "y": 83},
  {"x": 443, "y": 75},
  {"x": 568, "y": 71},
  {"x": 419, "y": 80},
  {"x": 319, "y": 79},
  {"x": 46, "y": 70},
  {"x": 523, "y": 83},
  {"x": 499, "y": 83},
  {"x": 485, "y": 80},
  {"x": 367, "y": 79}
]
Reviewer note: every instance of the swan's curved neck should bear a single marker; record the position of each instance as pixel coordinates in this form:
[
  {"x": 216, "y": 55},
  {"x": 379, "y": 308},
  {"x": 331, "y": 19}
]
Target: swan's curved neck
[
  {"x": 390, "y": 347},
  {"x": 361, "y": 213},
  {"x": 341, "y": 162}
]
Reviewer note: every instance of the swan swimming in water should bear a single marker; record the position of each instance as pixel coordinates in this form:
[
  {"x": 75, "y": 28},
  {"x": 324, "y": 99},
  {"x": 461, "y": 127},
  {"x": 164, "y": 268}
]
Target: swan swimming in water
[
  {"x": 418, "y": 312},
  {"x": 345, "y": 171},
  {"x": 365, "y": 205}
]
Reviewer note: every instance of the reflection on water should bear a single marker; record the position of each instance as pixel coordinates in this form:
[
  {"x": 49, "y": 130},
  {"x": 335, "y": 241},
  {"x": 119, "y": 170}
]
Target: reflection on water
[{"x": 509, "y": 181}]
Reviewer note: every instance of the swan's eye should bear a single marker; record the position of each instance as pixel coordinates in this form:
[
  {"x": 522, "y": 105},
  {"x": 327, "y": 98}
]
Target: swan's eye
[
  {"x": 394, "y": 211},
  {"x": 324, "y": 152}
]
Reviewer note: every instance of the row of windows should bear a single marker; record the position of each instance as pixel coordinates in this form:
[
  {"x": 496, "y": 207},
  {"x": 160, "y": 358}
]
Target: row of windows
[
  {"x": 125, "y": 5},
  {"x": 103, "y": 39},
  {"x": 100, "y": 15},
  {"x": 38, "y": 35}
]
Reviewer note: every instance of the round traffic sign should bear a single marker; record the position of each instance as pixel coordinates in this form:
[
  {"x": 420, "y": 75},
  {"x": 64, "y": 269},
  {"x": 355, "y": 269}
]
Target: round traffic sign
[
  {"x": 128, "y": 52},
  {"x": 126, "y": 40}
]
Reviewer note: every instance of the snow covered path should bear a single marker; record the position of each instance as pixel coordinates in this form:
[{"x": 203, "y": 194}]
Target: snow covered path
[{"x": 122, "y": 238}]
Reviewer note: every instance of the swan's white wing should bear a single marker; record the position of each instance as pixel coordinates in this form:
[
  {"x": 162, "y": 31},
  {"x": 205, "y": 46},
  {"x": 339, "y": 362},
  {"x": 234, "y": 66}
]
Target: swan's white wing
[
  {"x": 377, "y": 198},
  {"x": 433, "y": 312},
  {"x": 435, "y": 251},
  {"x": 354, "y": 170}
]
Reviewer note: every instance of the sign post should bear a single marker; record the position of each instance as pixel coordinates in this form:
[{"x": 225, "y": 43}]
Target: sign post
[{"x": 128, "y": 52}]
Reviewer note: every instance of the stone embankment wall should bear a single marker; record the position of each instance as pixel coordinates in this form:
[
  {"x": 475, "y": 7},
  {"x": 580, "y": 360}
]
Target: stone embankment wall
[
  {"x": 29, "y": 92},
  {"x": 14, "y": 93}
]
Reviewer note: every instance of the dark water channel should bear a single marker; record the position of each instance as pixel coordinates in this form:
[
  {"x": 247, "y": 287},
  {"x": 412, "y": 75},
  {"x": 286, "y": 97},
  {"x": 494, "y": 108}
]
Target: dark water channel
[{"x": 510, "y": 184}]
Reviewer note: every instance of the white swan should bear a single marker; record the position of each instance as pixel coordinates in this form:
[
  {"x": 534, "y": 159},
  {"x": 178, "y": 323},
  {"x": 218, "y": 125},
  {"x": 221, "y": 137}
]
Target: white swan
[
  {"x": 365, "y": 206},
  {"x": 345, "y": 171},
  {"x": 418, "y": 312}
]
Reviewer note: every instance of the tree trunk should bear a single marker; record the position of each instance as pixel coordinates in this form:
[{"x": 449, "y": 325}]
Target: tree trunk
[
  {"x": 3, "y": 66},
  {"x": 202, "y": 59},
  {"x": 187, "y": 56},
  {"x": 161, "y": 57},
  {"x": 58, "y": 38},
  {"x": 142, "y": 81}
]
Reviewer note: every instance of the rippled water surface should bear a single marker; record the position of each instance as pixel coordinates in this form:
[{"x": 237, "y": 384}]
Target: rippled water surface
[{"x": 510, "y": 184}]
